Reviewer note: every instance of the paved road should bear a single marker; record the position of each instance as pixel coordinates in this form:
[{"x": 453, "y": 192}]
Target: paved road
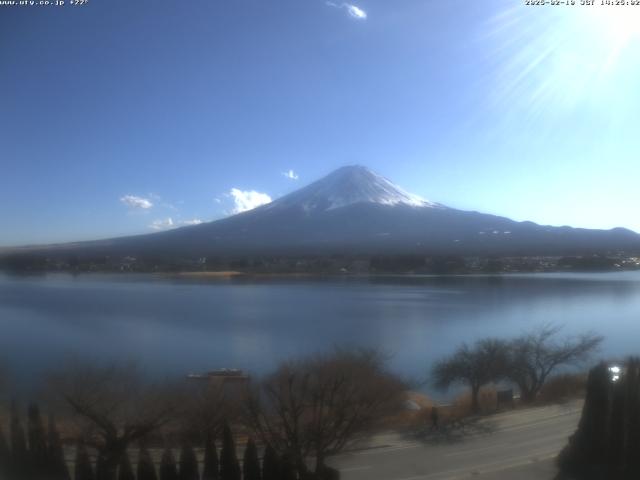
[{"x": 516, "y": 445}]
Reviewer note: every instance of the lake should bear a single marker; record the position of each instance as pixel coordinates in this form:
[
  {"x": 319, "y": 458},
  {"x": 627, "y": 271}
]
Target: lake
[{"x": 176, "y": 326}]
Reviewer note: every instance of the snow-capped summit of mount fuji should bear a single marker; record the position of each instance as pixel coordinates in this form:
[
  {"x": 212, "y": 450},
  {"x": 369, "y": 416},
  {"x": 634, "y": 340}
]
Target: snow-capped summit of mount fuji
[{"x": 348, "y": 186}]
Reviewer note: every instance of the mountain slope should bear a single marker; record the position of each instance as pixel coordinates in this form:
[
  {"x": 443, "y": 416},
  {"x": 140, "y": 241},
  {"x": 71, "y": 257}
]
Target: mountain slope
[{"x": 356, "y": 211}]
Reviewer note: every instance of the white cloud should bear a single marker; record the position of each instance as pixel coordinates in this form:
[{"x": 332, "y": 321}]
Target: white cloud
[
  {"x": 162, "y": 224},
  {"x": 194, "y": 221},
  {"x": 248, "y": 199},
  {"x": 132, "y": 201},
  {"x": 217, "y": 200},
  {"x": 291, "y": 175},
  {"x": 356, "y": 12},
  {"x": 352, "y": 10}
]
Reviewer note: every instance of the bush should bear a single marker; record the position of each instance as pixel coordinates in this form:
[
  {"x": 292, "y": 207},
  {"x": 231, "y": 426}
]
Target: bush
[{"x": 563, "y": 387}]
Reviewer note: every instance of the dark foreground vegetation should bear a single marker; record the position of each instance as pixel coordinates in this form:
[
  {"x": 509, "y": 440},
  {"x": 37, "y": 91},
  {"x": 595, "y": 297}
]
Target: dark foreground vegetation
[
  {"x": 606, "y": 445},
  {"x": 122, "y": 427},
  {"x": 113, "y": 423}
]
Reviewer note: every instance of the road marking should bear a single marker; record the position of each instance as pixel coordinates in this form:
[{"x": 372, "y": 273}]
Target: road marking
[
  {"x": 509, "y": 427},
  {"x": 506, "y": 467},
  {"x": 355, "y": 469},
  {"x": 378, "y": 451},
  {"x": 476, "y": 449},
  {"x": 508, "y": 445},
  {"x": 481, "y": 469}
]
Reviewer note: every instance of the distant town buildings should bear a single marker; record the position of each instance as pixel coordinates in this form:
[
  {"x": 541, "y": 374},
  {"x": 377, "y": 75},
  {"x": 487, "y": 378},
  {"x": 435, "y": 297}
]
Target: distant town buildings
[{"x": 331, "y": 264}]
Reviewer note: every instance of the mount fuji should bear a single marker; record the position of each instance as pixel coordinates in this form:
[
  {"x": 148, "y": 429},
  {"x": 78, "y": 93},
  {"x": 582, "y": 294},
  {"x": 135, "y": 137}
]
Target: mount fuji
[{"x": 356, "y": 211}]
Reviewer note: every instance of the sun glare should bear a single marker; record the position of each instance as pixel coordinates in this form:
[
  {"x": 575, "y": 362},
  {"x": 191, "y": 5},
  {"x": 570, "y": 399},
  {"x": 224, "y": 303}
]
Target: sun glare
[
  {"x": 552, "y": 60},
  {"x": 620, "y": 24}
]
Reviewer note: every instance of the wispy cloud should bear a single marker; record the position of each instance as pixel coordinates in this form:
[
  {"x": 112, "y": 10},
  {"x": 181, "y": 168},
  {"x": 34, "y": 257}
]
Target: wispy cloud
[
  {"x": 193, "y": 221},
  {"x": 158, "y": 201},
  {"x": 247, "y": 199},
  {"x": 162, "y": 224},
  {"x": 291, "y": 175},
  {"x": 352, "y": 10},
  {"x": 168, "y": 223},
  {"x": 132, "y": 201}
]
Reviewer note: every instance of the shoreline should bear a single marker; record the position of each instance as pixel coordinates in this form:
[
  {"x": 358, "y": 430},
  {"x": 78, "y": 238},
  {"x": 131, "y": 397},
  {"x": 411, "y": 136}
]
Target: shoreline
[{"x": 231, "y": 274}]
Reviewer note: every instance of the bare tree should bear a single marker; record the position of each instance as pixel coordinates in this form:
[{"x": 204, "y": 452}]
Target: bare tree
[
  {"x": 115, "y": 406},
  {"x": 535, "y": 355},
  {"x": 315, "y": 407},
  {"x": 475, "y": 366}
]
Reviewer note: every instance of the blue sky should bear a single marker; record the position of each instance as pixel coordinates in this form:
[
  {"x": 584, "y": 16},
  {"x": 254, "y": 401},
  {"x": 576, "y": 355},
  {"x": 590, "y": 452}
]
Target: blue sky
[{"x": 121, "y": 117}]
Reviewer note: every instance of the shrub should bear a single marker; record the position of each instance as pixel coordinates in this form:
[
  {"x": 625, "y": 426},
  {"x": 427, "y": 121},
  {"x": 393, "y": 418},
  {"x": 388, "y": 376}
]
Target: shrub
[{"x": 563, "y": 387}]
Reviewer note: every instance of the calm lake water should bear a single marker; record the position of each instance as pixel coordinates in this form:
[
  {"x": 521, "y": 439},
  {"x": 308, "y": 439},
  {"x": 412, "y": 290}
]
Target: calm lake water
[{"x": 177, "y": 326}]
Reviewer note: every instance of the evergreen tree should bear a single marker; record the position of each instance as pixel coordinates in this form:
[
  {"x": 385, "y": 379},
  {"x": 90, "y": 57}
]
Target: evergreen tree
[
  {"x": 84, "y": 470},
  {"x": 617, "y": 424},
  {"x": 188, "y": 463},
  {"x": 125, "y": 470},
  {"x": 270, "y": 464},
  {"x": 19, "y": 454},
  {"x": 102, "y": 469},
  {"x": 251, "y": 464},
  {"x": 146, "y": 469},
  {"x": 168, "y": 470},
  {"x": 38, "y": 454},
  {"x": 56, "y": 460},
  {"x": 211, "y": 470},
  {"x": 606, "y": 444},
  {"x": 587, "y": 446},
  {"x": 5, "y": 455},
  {"x": 632, "y": 457},
  {"x": 287, "y": 470},
  {"x": 229, "y": 466}
]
